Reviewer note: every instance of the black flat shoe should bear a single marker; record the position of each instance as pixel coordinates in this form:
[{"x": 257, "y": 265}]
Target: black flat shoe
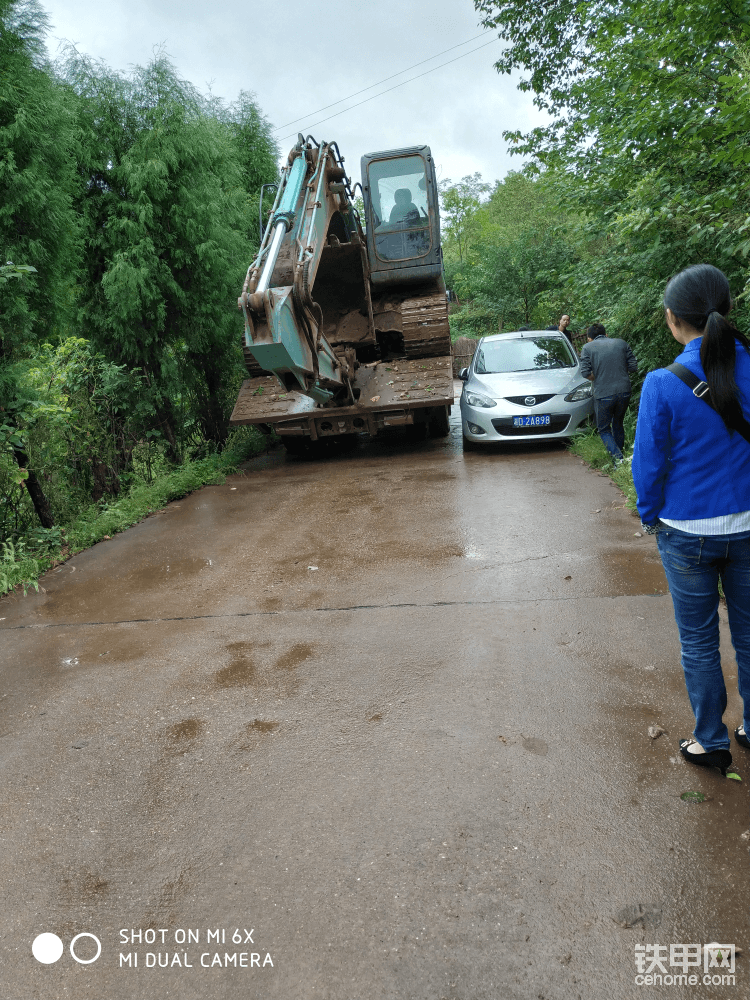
[
  {"x": 713, "y": 758},
  {"x": 742, "y": 738}
]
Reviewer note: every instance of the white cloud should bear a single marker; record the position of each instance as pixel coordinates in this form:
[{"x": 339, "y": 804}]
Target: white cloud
[{"x": 300, "y": 57}]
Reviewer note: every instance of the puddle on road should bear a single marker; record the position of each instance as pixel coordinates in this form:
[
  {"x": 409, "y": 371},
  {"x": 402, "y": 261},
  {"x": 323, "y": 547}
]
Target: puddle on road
[
  {"x": 261, "y": 726},
  {"x": 634, "y": 571},
  {"x": 76, "y": 597},
  {"x": 535, "y": 745},
  {"x": 181, "y": 736},
  {"x": 167, "y": 571},
  {"x": 297, "y": 654},
  {"x": 188, "y": 729},
  {"x": 242, "y": 670}
]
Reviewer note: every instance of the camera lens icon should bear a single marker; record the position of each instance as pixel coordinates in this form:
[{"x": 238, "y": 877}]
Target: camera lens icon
[{"x": 48, "y": 948}]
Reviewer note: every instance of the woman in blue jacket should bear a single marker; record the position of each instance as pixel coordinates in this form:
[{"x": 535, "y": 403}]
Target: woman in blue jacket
[{"x": 691, "y": 469}]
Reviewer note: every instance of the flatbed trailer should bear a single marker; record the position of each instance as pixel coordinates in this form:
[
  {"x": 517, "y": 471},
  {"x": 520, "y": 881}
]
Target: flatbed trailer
[{"x": 395, "y": 393}]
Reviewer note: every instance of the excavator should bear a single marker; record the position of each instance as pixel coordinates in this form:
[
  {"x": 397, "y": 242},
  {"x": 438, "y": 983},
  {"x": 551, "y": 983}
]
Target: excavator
[{"x": 346, "y": 325}]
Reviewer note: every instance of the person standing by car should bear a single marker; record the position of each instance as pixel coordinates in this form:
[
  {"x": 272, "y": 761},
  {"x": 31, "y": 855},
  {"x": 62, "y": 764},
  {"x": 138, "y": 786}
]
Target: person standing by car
[
  {"x": 562, "y": 327},
  {"x": 691, "y": 469},
  {"x": 607, "y": 362}
]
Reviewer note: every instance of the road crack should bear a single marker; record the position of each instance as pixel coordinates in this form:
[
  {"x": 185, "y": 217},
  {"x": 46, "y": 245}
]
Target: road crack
[{"x": 327, "y": 610}]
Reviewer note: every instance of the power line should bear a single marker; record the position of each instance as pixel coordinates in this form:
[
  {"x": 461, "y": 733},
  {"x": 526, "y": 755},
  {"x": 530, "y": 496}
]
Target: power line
[
  {"x": 382, "y": 92},
  {"x": 358, "y": 92}
]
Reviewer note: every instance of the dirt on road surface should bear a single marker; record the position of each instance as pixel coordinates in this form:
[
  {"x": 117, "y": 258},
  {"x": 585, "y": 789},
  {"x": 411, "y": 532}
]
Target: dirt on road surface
[{"x": 369, "y": 727}]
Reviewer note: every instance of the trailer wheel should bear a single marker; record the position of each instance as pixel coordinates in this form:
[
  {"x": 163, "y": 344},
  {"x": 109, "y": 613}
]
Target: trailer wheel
[{"x": 439, "y": 422}]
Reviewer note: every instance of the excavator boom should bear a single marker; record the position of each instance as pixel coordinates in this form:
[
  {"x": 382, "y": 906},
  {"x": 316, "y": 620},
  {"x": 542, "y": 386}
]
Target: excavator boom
[{"x": 283, "y": 324}]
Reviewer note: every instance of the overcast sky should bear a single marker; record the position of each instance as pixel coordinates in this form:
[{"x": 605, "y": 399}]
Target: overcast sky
[{"x": 299, "y": 56}]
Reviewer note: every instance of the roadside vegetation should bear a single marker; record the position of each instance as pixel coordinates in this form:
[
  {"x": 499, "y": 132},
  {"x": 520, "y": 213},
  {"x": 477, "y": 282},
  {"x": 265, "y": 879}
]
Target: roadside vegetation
[
  {"x": 640, "y": 172},
  {"x": 25, "y": 557},
  {"x": 128, "y": 214}
]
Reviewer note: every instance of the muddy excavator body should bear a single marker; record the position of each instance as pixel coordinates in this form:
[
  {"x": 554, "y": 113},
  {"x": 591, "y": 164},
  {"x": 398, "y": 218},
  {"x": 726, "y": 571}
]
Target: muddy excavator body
[{"x": 346, "y": 326}]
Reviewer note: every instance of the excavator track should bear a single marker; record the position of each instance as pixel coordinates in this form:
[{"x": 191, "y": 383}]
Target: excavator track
[
  {"x": 252, "y": 366},
  {"x": 425, "y": 326},
  {"x": 421, "y": 319}
]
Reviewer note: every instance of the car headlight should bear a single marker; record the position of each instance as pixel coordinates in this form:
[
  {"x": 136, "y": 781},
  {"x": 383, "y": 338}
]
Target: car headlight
[
  {"x": 477, "y": 399},
  {"x": 582, "y": 391}
]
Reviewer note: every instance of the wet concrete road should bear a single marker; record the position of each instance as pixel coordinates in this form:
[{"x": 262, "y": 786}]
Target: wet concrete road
[{"x": 388, "y": 715}]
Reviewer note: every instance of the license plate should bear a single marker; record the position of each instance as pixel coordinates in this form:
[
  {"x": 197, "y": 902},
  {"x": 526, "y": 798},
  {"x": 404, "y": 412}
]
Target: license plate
[{"x": 539, "y": 420}]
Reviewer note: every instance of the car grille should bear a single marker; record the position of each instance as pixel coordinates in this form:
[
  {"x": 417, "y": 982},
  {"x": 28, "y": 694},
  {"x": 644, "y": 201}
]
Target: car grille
[
  {"x": 521, "y": 400},
  {"x": 504, "y": 426}
]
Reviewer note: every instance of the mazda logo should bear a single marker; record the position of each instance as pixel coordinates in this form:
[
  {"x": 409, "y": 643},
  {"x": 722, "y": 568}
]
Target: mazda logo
[{"x": 530, "y": 400}]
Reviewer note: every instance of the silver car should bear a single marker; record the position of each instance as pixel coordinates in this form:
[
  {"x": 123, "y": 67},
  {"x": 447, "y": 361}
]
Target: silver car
[{"x": 523, "y": 385}]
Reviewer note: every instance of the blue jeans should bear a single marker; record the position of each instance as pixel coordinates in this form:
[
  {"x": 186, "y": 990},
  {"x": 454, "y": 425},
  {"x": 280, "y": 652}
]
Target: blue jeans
[
  {"x": 693, "y": 566},
  {"x": 610, "y": 411}
]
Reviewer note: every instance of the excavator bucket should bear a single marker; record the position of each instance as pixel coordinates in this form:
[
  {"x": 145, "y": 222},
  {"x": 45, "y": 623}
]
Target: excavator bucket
[{"x": 340, "y": 291}]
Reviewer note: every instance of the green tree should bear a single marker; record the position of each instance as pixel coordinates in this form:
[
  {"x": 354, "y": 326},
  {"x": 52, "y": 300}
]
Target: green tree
[
  {"x": 459, "y": 204},
  {"x": 38, "y": 226},
  {"x": 647, "y": 139},
  {"x": 170, "y": 226},
  {"x": 523, "y": 244},
  {"x": 252, "y": 138}
]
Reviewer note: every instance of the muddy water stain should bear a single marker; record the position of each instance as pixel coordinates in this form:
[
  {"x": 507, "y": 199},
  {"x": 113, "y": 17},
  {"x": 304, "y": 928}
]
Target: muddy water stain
[
  {"x": 535, "y": 745},
  {"x": 300, "y": 652},
  {"x": 242, "y": 670},
  {"x": 180, "y": 739},
  {"x": 261, "y": 726},
  {"x": 634, "y": 571},
  {"x": 251, "y": 734},
  {"x": 429, "y": 477},
  {"x": 82, "y": 886},
  {"x": 188, "y": 729}
]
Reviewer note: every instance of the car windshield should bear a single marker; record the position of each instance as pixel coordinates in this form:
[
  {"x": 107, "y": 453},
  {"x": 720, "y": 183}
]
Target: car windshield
[{"x": 523, "y": 355}]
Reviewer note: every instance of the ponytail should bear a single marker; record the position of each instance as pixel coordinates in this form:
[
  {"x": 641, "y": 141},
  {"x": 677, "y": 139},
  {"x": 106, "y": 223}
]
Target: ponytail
[
  {"x": 718, "y": 356},
  {"x": 700, "y": 296}
]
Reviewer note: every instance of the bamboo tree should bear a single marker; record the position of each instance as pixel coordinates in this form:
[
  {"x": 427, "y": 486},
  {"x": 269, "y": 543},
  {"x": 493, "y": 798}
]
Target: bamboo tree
[
  {"x": 169, "y": 225},
  {"x": 38, "y": 226}
]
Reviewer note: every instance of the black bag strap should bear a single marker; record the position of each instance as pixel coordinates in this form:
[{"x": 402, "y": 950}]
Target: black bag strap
[{"x": 701, "y": 390}]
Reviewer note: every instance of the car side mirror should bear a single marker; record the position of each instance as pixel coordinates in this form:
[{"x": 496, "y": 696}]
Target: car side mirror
[{"x": 464, "y": 374}]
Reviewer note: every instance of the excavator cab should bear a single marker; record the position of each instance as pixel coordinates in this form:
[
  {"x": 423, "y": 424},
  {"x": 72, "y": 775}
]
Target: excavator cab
[{"x": 402, "y": 217}]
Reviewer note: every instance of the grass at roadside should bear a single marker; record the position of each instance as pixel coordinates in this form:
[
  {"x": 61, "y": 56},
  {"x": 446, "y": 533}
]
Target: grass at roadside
[
  {"x": 590, "y": 448},
  {"x": 23, "y": 561}
]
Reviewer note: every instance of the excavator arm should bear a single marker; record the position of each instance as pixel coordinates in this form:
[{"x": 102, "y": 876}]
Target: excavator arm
[{"x": 283, "y": 323}]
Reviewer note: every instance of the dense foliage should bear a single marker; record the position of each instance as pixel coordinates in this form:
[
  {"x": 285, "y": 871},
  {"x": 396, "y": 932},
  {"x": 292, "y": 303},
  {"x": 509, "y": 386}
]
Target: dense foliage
[
  {"x": 128, "y": 215},
  {"x": 515, "y": 255},
  {"x": 639, "y": 171}
]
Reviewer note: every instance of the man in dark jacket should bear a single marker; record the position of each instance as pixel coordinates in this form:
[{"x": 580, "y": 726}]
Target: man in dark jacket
[
  {"x": 562, "y": 326},
  {"x": 607, "y": 362}
]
